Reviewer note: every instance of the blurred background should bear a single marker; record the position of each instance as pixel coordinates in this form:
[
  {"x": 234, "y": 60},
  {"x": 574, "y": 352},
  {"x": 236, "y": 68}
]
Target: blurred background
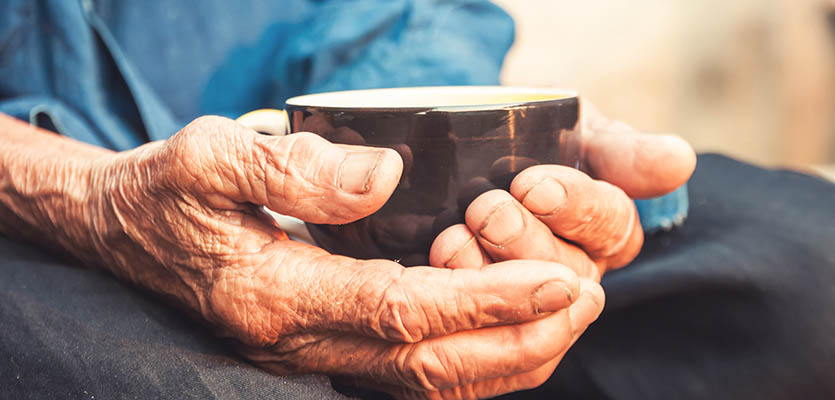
[{"x": 754, "y": 79}]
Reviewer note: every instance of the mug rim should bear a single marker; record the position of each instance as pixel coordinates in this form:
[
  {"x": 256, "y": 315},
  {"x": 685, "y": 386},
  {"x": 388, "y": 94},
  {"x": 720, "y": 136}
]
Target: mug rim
[{"x": 386, "y": 99}]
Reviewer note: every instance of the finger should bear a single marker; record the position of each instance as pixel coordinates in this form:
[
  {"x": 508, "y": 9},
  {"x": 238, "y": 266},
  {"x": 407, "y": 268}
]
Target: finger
[
  {"x": 383, "y": 300},
  {"x": 508, "y": 231},
  {"x": 643, "y": 165},
  {"x": 300, "y": 175},
  {"x": 443, "y": 362},
  {"x": 456, "y": 247},
  {"x": 409, "y": 305},
  {"x": 581, "y": 314},
  {"x": 304, "y": 176},
  {"x": 596, "y": 215},
  {"x": 438, "y": 363}
]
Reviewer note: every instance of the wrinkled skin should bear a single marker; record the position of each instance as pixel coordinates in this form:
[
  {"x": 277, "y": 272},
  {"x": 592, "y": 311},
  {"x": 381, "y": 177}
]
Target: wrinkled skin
[
  {"x": 506, "y": 295},
  {"x": 560, "y": 214}
]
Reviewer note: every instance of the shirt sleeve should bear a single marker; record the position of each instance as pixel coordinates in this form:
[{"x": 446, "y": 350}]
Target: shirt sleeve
[
  {"x": 392, "y": 43},
  {"x": 416, "y": 43}
]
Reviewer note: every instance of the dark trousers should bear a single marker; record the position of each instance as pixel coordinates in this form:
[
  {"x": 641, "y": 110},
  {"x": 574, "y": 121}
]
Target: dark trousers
[{"x": 737, "y": 304}]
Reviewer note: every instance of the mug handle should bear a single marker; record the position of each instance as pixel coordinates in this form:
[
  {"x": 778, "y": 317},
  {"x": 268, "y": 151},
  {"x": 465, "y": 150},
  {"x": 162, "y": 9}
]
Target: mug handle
[
  {"x": 276, "y": 123},
  {"x": 270, "y": 121}
]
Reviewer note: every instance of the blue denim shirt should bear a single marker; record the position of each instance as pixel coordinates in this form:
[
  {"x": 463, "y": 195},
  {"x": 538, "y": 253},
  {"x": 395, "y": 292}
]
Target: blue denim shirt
[{"x": 120, "y": 73}]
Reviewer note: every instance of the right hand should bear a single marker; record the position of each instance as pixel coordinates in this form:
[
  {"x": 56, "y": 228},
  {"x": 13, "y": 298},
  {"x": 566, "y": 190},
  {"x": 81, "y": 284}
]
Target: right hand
[{"x": 183, "y": 218}]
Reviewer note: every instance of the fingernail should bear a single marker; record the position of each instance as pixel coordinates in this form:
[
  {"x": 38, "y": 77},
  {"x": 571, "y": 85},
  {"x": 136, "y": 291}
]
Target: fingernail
[
  {"x": 553, "y": 296},
  {"x": 503, "y": 225},
  {"x": 356, "y": 171},
  {"x": 545, "y": 198}
]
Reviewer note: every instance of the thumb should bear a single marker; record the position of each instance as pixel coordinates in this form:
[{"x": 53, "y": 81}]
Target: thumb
[
  {"x": 643, "y": 165},
  {"x": 307, "y": 177},
  {"x": 301, "y": 175}
]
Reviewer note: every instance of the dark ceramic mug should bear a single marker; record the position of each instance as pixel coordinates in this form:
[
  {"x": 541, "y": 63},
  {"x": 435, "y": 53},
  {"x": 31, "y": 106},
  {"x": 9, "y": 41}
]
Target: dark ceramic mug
[{"x": 456, "y": 143}]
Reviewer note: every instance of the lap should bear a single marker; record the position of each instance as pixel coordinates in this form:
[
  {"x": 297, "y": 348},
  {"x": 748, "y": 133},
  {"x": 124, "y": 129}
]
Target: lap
[
  {"x": 733, "y": 305},
  {"x": 69, "y": 332}
]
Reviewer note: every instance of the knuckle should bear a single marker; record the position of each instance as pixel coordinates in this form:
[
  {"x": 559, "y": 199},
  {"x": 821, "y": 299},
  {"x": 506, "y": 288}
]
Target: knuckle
[
  {"x": 213, "y": 131},
  {"x": 201, "y": 128},
  {"x": 423, "y": 369},
  {"x": 301, "y": 157},
  {"x": 295, "y": 161},
  {"x": 582, "y": 222},
  {"x": 398, "y": 317},
  {"x": 207, "y": 122},
  {"x": 217, "y": 155},
  {"x": 614, "y": 224},
  {"x": 195, "y": 147},
  {"x": 301, "y": 145},
  {"x": 602, "y": 221}
]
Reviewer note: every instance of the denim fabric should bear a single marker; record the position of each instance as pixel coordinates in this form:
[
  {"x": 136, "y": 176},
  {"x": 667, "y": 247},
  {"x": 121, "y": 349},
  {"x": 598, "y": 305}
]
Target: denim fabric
[{"x": 120, "y": 73}]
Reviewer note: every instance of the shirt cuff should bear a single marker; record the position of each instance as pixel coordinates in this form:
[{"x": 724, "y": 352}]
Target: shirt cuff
[{"x": 665, "y": 212}]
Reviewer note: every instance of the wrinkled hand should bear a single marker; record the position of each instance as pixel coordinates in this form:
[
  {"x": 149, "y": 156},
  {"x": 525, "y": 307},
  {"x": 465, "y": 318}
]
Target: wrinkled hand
[
  {"x": 560, "y": 214},
  {"x": 184, "y": 219}
]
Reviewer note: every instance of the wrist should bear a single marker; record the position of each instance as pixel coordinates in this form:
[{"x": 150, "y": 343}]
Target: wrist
[
  {"x": 51, "y": 200},
  {"x": 51, "y": 189},
  {"x": 95, "y": 204}
]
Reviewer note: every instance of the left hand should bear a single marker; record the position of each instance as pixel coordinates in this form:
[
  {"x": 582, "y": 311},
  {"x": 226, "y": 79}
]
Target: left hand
[{"x": 560, "y": 214}]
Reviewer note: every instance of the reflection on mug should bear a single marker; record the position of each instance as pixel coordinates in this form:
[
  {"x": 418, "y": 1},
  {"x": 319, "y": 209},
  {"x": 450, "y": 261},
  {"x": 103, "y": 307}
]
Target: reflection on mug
[
  {"x": 435, "y": 163},
  {"x": 503, "y": 170}
]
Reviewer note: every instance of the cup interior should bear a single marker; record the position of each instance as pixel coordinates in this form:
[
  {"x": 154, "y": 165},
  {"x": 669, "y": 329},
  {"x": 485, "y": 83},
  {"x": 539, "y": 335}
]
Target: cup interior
[{"x": 443, "y": 97}]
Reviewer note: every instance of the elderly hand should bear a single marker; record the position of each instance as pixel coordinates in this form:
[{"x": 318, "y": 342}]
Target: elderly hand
[
  {"x": 560, "y": 214},
  {"x": 184, "y": 219},
  {"x": 556, "y": 213}
]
